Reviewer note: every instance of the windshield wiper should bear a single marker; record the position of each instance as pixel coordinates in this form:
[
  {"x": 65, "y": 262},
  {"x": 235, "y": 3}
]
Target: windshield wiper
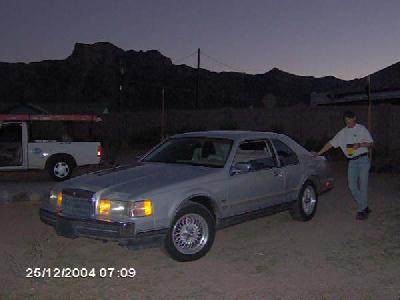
[
  {"x": 185, "y": 163},
  {"x": 201, "y": 165}
]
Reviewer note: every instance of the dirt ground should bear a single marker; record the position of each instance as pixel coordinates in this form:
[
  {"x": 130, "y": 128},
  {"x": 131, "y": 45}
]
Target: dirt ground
[{"x": 333, "y": 256}]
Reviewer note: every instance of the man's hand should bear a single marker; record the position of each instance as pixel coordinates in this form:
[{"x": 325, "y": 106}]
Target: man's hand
[{"x": 325, "y": 148}]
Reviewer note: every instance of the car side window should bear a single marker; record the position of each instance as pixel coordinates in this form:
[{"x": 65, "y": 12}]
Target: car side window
[
  {"x": 257, "y": 153},
  {"x": 286, "y": 155}
]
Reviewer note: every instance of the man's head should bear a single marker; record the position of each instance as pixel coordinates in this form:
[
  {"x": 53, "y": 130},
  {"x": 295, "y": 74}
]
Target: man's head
[{"x": 350, "y": 118}]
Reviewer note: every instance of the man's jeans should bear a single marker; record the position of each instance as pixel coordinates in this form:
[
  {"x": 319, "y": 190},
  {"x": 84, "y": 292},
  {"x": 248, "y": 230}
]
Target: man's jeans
[{"x": 358, "y": 180}]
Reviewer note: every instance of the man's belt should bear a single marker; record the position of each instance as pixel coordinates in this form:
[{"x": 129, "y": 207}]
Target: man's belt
[{"x": 357, "y": 157}]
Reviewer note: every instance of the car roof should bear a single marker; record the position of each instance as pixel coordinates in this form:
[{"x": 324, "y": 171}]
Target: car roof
[{"x": 229, "y": 134}]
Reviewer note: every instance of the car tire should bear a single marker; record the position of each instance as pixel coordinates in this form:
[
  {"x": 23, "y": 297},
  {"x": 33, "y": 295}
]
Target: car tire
[
  {"x": 192, "y": 233},
  {"x": 60, "y": 167},
  {"x": 304, "y": 208}
]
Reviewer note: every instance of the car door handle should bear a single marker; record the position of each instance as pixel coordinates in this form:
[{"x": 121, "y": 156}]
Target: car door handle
[{"x": 278, "y": 173}]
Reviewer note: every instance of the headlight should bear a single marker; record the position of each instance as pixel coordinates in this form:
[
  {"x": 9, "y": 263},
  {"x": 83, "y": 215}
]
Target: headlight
[
  {"x": 59, "y": 200},
  {"x": 142, "y": 208},
  {"x": 53, "y": 196},
  {"x": 107, "y": 207},
  {"x": 55, "y": 199}
]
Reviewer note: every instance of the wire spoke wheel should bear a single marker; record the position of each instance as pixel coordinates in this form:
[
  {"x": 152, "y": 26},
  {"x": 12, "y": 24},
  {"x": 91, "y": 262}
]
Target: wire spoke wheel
[
  {"x": 309, "y": 200},
  {"x": 190, "y": 234},
  {"x": 305, "y": 206}
]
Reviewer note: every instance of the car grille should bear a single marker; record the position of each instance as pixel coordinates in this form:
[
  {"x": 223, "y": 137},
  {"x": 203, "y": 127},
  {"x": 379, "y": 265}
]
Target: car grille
[{"x": 77, "y": 203}]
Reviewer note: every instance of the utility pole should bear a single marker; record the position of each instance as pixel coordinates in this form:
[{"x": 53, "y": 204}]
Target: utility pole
[
  {"x": 369, "y": 105},
  {"x": 162, "y": 114},
  {"x": 121, "y": 80},
  {"x": 117, "y": 136},
  {"x": 369, "y": 112},
  {"x": 198, "y": 79}
]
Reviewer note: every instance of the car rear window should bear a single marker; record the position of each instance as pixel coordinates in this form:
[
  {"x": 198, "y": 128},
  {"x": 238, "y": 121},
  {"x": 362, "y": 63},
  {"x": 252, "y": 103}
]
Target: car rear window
[{"x": 286, "y": 155}]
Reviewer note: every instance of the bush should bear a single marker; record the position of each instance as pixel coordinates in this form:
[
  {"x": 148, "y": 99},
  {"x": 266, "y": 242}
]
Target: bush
[
  {"x": 278, "y": 128},
  {"x": 145, "y": 138},
  {"x": 186, "y": 129},
  {"x": 229, "y": 125},
  {"x": 312, "y": 144}
]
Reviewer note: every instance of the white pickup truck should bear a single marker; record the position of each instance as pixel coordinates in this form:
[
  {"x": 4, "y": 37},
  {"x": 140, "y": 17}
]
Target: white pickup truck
[{"x": 23, "y": 146}]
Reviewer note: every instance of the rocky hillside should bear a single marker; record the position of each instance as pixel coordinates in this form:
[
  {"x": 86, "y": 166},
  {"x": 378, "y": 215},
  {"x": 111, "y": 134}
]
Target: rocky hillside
[
  {"x": 93, "y": 74},
  {"x": 382, "y": 80}
]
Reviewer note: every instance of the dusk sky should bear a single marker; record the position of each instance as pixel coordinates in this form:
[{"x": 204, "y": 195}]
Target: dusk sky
[{"x": 346, "y": 39}]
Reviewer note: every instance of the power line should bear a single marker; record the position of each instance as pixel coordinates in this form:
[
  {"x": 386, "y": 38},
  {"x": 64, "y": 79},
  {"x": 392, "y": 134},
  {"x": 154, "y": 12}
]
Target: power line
[
  {"x": 222, "y": 63},
  {"x": 178, "y": 61},
  {"x": 217, "y": 61},
  {"x": 229, "y": 66}
]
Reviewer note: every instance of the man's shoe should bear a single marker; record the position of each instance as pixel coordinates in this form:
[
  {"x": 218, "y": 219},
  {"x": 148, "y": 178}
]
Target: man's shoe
[
  {"x": 367, "y": 210},
  {"x": 362, "y": 215}
]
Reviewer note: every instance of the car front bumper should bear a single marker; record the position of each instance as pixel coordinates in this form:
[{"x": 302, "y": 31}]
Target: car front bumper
[{"x": 124, "y": 233}]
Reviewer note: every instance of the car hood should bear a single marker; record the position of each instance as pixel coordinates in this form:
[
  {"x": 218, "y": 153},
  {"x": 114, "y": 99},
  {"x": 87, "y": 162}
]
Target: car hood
[{"x": 129, "y": 181}]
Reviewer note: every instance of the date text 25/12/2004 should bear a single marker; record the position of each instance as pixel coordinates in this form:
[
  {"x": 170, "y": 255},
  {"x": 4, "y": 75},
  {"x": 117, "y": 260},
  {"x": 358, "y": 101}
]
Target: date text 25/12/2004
[{"x": 75, "y": 272}]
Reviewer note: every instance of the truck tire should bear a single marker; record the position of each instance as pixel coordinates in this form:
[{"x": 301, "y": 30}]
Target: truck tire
[{"x": 61, "y": 166}]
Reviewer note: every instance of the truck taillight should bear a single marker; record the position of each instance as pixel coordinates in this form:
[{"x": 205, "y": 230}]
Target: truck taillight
[{"x": 100, "y": 151}]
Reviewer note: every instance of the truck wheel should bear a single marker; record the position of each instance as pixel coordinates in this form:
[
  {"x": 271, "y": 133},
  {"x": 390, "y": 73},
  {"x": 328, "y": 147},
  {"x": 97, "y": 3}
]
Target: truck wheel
[
  {"x": 191, "y": 234},
  {"x": 305, "y": 206},
  {"x": 60, "y": 167}
]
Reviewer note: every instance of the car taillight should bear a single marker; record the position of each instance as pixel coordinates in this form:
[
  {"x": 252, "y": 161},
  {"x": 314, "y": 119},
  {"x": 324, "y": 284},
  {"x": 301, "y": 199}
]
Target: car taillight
[
  {"x": 100, "y": 151},
  {"x": 328, "y": 183}
]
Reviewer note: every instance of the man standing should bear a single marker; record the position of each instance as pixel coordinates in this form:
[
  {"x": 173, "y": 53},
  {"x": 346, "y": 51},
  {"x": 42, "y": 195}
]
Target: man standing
[{"x": 354, "y": 140}]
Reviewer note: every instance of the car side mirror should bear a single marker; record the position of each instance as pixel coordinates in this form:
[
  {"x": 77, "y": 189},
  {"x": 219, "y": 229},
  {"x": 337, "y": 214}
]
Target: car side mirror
[{"x": 240, "y": 167}]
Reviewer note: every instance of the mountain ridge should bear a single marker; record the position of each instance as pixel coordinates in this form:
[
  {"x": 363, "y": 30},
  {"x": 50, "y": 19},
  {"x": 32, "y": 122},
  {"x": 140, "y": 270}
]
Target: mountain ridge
[{"x": 94, "y": 73}]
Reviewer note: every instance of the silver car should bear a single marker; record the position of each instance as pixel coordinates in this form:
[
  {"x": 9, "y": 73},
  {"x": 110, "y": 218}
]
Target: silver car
[{"x": 185, "y": 188}]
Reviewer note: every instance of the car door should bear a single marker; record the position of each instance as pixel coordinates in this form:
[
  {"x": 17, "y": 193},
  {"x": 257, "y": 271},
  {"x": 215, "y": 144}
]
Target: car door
[
  {"x": 290, "y": 167},
  {"x": 261, "y": 186}
]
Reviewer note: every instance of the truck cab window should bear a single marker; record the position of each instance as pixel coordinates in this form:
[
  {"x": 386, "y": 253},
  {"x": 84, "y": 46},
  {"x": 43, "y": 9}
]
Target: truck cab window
[
  {"x": 10, "y": 145},
  {"x": 10, "y": 133}
]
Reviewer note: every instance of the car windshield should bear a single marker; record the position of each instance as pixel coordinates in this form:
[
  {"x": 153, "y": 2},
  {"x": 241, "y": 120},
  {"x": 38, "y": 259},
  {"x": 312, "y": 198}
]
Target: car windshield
[{"x": 198, "y": 151}]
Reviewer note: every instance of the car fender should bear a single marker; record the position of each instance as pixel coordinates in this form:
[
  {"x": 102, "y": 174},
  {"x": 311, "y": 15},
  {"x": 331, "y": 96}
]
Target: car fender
[
  {"x": 198, "y": 197},
  {"x": 309, "y": 176}
]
